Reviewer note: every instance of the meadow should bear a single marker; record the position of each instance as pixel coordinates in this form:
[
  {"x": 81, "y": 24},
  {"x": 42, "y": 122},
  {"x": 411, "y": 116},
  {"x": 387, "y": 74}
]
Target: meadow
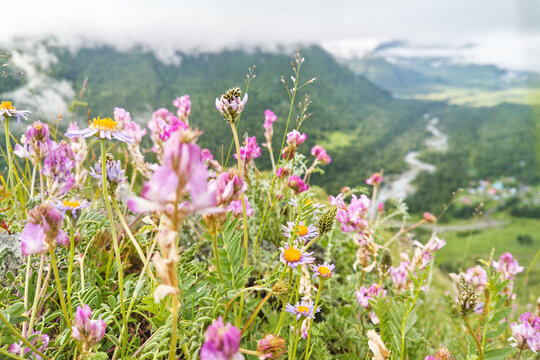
[{"x": 136, "y": 242}]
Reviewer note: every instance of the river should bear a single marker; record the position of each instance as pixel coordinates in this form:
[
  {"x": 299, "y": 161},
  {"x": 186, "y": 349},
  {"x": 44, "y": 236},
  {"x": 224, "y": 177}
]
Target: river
[{"x": 400, "y": 185}]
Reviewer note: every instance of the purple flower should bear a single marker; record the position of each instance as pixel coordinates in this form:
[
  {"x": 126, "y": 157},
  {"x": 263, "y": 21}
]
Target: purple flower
[
  {"x": 222, "y": 342},
  {"x": 303, "y": 232},
  {"x": 250, "y": 150},
  {"x": 32, "y": 239},
  {"x": 63, "y": 239},
  {"x": 42, "y": 229},
  {"x": 424, "y": 253},
  {"x": 303, "y": 309},
  {"x": 231, "y": 104},
  {"x": 183, "y": 105},
  {"x": 57, "y": 169},
  {"x": 325, "y": 270},
  {"x": 113, "y": 170},
  {"x": 37, "y": 143},
  {"x": 236, "y": 207},
  {"x": 320, "y": 154},
  {"x": 354, "y": 216},
  {"x": 296, "y": 183},
  {"x": 208, "y": 160},
  {"x": 105, "y": 128},
  {"x": 39, "y": 340},
  {"x": 73, "y": 206},
  {"x": 293, "y": 256},
  {"x": 281, "y": 172},
  {"x": 86, "y": 330},
  {"x": 508, "y": 266},
  {"x": 7, "y": 110}
]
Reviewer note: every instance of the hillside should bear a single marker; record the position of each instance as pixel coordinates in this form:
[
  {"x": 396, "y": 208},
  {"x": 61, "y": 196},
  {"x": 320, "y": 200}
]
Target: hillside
[{"x": 363, "y": 127}]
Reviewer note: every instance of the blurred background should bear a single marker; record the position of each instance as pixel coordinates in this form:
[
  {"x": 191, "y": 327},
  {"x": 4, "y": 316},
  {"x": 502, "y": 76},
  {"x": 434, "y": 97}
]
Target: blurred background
[{"x": 441, "y": 95}]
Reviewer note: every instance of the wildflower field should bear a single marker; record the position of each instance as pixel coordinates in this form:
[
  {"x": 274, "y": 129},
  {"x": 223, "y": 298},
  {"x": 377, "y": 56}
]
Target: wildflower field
[{"x": 172, "y": 252}]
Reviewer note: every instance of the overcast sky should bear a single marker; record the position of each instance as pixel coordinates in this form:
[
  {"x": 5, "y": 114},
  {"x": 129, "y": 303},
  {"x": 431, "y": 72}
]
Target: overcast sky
[{"x": 506, "y": 32}]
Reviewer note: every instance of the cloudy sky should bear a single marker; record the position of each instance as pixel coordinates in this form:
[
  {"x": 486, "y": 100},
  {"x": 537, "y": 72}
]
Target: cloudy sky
[{"x": 505, "y": 32}]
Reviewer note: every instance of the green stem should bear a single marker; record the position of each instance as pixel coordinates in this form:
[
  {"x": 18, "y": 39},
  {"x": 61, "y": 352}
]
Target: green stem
[
  {"x": 174, "y": 328},
  {"x": 59, "y": 288},
  {"x": 70, "y": 265},
  {"x": 528, "y": 271},
  {"x": 256, "y": 311},
  {"x": 475, "y": 338},
  {"x": 278, "y": 329},
  {"x": 36, "y": 295},
  {"x": 402, "y": 355},
  {"x": 321, "y": 281},
  {"x": 216, "y": 255},
  {"x": 115, "y": 244},
  {"x": 20, "y": 337}
]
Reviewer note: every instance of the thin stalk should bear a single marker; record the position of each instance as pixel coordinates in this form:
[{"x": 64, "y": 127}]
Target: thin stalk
[
  {"x": 36, "y": 295},
  {"x": 256, "y": 311},
  {"x": 174, "y": 328},
  {"x": 244, "y": 216},
  {"x": 403, "y": 231},
  {"x": 11, "y": 183},
  {"x": 321, "y": 282},
  {"x": 278, "y": 329},
  {"x": 291, "y": 346},
  {"x": 27, "y": 286},
  {"x": 528, "y": 270},
  {"x": 20, "y": 337},
  {"x": 216, "y": 255},
  {"x": 405, "y": 321},
  {"x": 123, "y": 337},
  {"x": 475, "y": 338},
  {"x": 70, "y": 265},
  {"x": 59, "y": 288},
  {"x": 519, "y": 354}
]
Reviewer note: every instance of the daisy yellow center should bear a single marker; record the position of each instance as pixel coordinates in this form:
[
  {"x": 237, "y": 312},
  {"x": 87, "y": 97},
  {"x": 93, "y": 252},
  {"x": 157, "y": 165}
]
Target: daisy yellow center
[
  {"x": 302, "y": 309},
  {"x": 324, "y": 271},
  {"x": 106, "y": 124},
  {"x": 6, "y": 105},
  {"x": 292, "y": 255},
  {"x": 302, "y": 230},
  {"x": 71, "y": 204},
  {"x": 308, "y": 202}
]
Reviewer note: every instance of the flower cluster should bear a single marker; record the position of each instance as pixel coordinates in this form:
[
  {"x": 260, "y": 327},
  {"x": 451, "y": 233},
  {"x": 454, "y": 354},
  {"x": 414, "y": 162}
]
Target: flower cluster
[
  {"x": 85, "y": 330},
  {"x": 294, "y": 139},
  {"x": 183, "y": 106},
  {"x": 374, "y": 179},
  {"x": 57, "y": 169},
  {"x": 37, "y": 143},
  {"x": 162, "y": 125},
  {"x": 249, "y": 151},
  {"x": 526, "y": 333},
  {"x": 354, "y": 216},
  {"x": 42, "y": 229},
  {"x": 320, "y": 154},
  {"x": 39, "y": 340},
  {"x": 231, "y": 104},
  {"x": 364, "y": 295},
  {"x": 222, "y": 341},
  {"x": 296, "y": 183},
  {"x": 271, "y": 347},
  {"x": 269, "y": 119}
]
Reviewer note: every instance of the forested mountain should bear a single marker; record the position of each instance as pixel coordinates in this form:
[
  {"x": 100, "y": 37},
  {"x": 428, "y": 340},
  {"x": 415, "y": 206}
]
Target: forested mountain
[{"x": 363, "y": 127}]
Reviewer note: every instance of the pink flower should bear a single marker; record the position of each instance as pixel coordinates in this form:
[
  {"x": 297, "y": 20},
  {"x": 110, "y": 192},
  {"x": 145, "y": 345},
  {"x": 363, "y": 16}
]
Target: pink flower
[
  {"x": 228, "y": 186},
  {"x": 354, "y": 216},
  {"x": 281, "y": 172},
  {"x": 222, "y": 342},
  {"x": 86, "y": 330},
  {"x": 182, "y": 174},
  {"x": 424, "y": 253},
  {"x": 400, "y": 276},
  {"x": 294, "y": 138},
  {"x": 429, "y": 218},
  {"x": 271, "y": 347},
  {"x": 297, "y": 184},
  {"x": 236, "y": 207},
  {"x": 183, "y": 105},
  {"x": 320, "y": 154},
  {"x": 124, "y": 122},
  {"x": 269, "y": 119},
  {"x": 57, "y": 169},
  {"x": 231, "y": 104},
  {"x": 250, "y": 150},
  {"x": 208, "y": 160},
  {"x": 374, "y": 179},
  {"x": 380, "y": 207},
  {"x": 477, "y": 277},
  {"x": 39, "y": 340},
  {"x": 162, "y": 126},
  {"x": 508, "y": 266},
  {"x": 363, "y": 295},
  {"x": 32, "y": 239}
]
